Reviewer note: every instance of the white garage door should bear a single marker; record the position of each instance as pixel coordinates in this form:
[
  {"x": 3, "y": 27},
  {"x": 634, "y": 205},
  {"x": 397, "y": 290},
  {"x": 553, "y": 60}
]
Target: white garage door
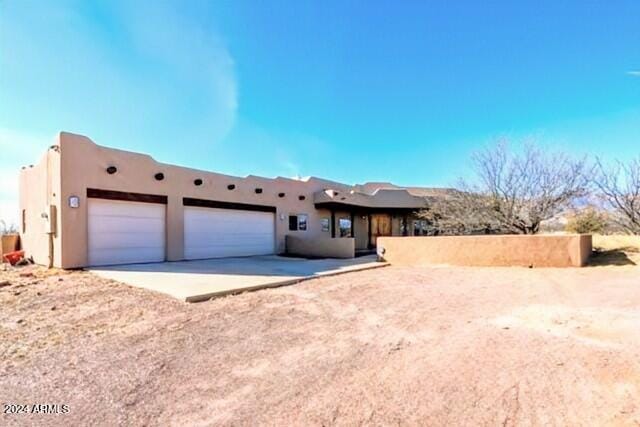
[
  {"x": 125, "y": 232},
  {"x": 217, "y": 233}
]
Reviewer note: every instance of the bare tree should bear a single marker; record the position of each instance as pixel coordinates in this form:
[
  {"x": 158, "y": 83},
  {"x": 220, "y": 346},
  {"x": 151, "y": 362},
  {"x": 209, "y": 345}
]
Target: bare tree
[
  {"x": 451, "y": 214},
  {"x": 619, "y": 187},
  {"x": 514, "y": 193}
]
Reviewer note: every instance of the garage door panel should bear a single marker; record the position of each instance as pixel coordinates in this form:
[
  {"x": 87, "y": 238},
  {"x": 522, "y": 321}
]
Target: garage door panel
[
  {"x": 115, "y": 224},
  {"x": 123, "y": 232},
  {"x": 128, "y": 256},
  {"x": 216, "y": 233},
  {"x": 121, "y": 208},
  {"x": 127, "y": 240}
]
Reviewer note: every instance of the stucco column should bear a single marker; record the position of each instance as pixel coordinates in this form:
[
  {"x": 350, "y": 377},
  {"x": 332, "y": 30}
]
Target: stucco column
[
  {"x": 175, "y": 228},
  {"x": 333, "y": 223}
]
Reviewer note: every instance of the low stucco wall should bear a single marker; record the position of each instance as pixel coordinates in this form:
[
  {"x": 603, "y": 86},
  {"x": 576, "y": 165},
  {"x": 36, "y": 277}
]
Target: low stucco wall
[
  {"x": 8, "y": 243},
  {"x": 526, "y": 251},
  {"x": 339, "y": 247}
]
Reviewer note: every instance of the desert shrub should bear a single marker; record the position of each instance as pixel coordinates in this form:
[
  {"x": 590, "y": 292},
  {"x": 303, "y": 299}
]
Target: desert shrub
[
  {"x": 587, "y": 221},
  {"x": 7, "y": 228}
]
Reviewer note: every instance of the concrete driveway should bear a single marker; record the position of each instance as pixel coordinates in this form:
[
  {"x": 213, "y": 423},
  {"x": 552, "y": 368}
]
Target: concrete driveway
[{"x": 200, "y": 280}]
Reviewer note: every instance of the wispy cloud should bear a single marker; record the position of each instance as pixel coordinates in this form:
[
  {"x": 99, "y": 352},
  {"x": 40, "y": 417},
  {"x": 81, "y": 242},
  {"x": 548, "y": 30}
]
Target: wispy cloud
[
  {"x": 146, "y": 76},
  {"x": 635, "y": 73},
  {"x": 144, "y": 73}
]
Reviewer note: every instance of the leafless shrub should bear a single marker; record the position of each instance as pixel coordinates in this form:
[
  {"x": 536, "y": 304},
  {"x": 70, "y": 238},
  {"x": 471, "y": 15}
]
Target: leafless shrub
[
  {"x": 618, "y": 185},
  {"x": 450, "y": 215},
  {"x": 7, "y": 228},
  {"x": 514, "y": 192}
]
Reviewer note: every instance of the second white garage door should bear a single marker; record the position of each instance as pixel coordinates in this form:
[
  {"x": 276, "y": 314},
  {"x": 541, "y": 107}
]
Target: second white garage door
[{"x": 217, "y": 233}]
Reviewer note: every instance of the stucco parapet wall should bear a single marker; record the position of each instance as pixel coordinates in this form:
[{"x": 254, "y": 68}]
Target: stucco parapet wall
[
  {"x": 339, "y": 247},
  {"x": 383, "y": 198},
  {"x": 504, "y": 250}
]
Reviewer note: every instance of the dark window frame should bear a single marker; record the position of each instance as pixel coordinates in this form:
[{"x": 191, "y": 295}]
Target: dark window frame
[{"x": 293, "y": 222}]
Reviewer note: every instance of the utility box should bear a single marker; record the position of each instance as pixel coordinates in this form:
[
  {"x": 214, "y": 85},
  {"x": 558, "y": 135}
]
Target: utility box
[{"x": 49, "y": 217}]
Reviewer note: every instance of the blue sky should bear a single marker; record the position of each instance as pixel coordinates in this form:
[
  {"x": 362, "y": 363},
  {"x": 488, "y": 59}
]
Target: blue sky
[{"x": 348, "y": 90}]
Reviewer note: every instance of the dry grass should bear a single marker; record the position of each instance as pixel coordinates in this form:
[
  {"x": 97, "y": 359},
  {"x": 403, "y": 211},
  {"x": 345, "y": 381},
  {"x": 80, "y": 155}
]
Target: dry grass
[{"x": 615, "y": 250}]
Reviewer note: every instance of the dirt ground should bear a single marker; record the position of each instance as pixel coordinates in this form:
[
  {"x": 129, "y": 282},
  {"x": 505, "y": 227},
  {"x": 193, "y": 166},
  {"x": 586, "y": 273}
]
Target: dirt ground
[{"x": 401, "y": 346}]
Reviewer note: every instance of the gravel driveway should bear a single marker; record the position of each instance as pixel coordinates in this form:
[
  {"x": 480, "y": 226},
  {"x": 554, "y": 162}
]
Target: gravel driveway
[{"x": 408, "y": 346}]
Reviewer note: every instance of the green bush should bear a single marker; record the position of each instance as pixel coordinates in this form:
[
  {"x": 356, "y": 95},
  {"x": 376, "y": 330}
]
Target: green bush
[{"x": 587, "y": 221}]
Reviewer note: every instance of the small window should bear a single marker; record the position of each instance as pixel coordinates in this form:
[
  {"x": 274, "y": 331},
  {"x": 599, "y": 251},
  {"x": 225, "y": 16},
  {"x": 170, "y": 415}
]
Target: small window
[
  {"x": 24, "y": 220},
  {"x": 301, "y": 197},
  {"x": 281, "y": 195},
  {"x": 345, "y": 227},
  {"x": 231, "y": 186},
  {"x": 324, "y": 224},
  {"x": 302, "y": 222},
  {"x": 258, "y": 190},
  {"x": 159, "y": 176},
  {"x": 293, "y": 222},
  {"x": 298, "y": 222},
  {"x": 197, "y": 182}
]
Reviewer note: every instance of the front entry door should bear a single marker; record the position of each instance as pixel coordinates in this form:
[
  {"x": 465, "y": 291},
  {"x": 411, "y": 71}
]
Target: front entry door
[{"x": 380, "y": 226}]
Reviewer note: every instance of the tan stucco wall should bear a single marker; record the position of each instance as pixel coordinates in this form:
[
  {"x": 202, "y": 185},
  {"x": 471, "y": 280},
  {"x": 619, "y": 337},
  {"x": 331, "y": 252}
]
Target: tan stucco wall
[
  {"x": 84, "y": 164},
  {"x": 536, "y": 251},
  {"x": 39, "y": 187},
  {"x": 343, "y": 247}
]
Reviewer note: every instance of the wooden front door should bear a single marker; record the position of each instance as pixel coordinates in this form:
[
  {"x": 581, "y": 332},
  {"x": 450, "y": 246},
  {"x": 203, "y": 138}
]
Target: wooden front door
[{"x": 380, "y": 226}]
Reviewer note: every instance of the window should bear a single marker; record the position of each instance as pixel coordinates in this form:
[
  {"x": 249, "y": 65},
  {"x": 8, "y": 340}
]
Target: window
[
  {"x": 324, "y": 224},
  {"x": 293, "y": 222},
  {"x": 298, "y": 222},
  {"x": 345, "y": 227},
  {"x": 24, "y": 220},
  {"x": 416, "y": 228},
  {"x": 302, "y": 222}
]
